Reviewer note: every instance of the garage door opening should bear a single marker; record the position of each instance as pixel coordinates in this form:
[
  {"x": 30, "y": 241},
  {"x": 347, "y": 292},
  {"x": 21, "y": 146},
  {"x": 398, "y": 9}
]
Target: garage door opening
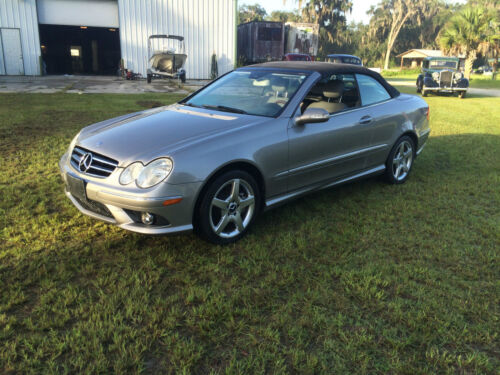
[{"x": 80, "y": 49}]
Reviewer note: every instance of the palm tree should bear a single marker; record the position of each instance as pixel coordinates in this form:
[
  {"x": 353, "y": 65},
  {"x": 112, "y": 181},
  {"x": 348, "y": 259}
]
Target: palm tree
[{"x": 467, "y": 33}]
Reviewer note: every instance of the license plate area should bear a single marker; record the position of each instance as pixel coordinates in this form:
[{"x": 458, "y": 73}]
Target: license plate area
[{"x": 76, "y": 186}]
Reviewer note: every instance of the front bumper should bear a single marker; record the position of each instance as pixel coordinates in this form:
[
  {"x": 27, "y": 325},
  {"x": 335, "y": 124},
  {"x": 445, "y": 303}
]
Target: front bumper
[
  {"x": 445, "y": 89},
  {"x": 104, "y": 199}
]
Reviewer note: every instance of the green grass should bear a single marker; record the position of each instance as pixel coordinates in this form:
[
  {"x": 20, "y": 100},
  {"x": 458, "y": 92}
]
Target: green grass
[{"x": 366, "y": 278}]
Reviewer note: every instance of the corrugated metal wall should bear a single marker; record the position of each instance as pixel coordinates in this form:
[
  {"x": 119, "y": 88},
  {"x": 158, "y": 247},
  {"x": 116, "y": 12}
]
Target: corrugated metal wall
[
  {"x": 21, "y": 14},
  {"x": 208, "y": 26}
]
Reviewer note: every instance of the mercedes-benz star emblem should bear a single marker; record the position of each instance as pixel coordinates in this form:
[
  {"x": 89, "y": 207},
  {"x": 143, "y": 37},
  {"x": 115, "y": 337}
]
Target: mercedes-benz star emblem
[{"x": 85, "y": 162}]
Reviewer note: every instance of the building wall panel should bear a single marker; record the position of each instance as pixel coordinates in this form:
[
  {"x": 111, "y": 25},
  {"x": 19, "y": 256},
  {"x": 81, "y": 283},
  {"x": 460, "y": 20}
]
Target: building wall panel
[
  {"x": 22, "y": 15},
  {"x": 208, "y": 26}
]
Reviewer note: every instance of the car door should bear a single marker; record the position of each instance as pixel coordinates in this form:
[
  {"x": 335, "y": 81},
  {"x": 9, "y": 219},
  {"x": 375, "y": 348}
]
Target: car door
[
  {"x": 381, "y": 120},
  {"x": 324, "y": 151}
]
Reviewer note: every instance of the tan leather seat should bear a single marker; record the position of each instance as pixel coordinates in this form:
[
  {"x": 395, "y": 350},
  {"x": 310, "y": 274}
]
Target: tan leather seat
[{"x": 332, "y": 90}]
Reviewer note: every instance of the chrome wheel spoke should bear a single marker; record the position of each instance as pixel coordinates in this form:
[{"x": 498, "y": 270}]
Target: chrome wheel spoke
[
  {"x": 402, "y": 149},
  {"x": 224, "y": 221},
  {"x": 235, "y": 190},
  {"x": 247, "y": 201},
  {"x": 219, "y": 203},
  {"x": 408, "y": 153},
  {"x": 238, "y": 222}
]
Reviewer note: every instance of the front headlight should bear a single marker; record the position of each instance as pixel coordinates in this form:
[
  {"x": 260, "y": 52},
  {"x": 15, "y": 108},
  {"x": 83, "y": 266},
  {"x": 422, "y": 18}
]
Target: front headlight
[
  {"x": 154, "y": 173},
  {"x": 435, "y": 76},
  {"x": 130, "y": 173},
  {"x": 458, "y": 75},
  {"x": 146, "y": 176}
]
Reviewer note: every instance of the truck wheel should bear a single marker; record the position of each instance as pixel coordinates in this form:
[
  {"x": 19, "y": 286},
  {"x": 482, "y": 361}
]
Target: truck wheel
[
  {"x": 424, "y": 92},
  {"x": 461, "y": 94},
  {"x": 149, "y": 78}
]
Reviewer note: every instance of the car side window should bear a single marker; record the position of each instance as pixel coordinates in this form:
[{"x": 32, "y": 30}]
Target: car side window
[
  {"x": 333, "y": 93},
  {"x": 371, "y": 90}
]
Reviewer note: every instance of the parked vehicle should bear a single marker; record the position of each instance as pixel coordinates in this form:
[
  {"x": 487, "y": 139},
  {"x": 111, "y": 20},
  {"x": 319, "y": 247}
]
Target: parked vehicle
[
  {"x": 246, "y": 142},
  {"x": 344, "y": 59},
  {"x": 296, "y": 57},
  {"x": 260, "y": 41},
  {"x": 441, "y": 75},
  {"x": 167, "y": 62},
  {"x": 301, "y": 37}
]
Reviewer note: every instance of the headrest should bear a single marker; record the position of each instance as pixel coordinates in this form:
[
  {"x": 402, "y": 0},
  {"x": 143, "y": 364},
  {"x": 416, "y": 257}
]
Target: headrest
[
  {"x": 333, "y": 89},
  {"x": 317, "y": 89},
  {"x": 278, "y": 84}
]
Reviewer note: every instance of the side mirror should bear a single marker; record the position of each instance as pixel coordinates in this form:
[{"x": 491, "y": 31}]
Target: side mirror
[{"x": 312, "y": 115}]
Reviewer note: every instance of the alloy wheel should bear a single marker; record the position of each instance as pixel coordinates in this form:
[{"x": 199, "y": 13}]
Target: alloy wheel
[
  {"x": 232, "y": 208},
  {"x": 401, "y": 163}
]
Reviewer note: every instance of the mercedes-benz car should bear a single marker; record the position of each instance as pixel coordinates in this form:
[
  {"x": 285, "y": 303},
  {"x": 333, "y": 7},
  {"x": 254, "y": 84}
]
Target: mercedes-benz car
[
  {"x": 442, "y": 75},
  {"x": 248, "y": 141}
]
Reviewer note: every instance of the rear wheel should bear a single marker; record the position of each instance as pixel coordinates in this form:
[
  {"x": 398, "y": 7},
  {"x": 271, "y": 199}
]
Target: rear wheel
[
  {"x": 228, "y": 208},
  {"x": 400, "y": 160}
]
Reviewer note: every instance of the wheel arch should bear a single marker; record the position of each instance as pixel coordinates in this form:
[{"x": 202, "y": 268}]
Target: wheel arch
[{"x": 243, "y": 165}]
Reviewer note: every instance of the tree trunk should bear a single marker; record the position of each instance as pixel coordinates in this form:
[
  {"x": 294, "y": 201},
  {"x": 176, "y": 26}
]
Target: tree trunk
[{"x": 470, "y": 57}]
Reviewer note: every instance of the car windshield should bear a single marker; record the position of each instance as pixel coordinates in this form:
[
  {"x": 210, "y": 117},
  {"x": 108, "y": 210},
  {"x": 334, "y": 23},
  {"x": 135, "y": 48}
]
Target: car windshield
[
  {"x": 439, "y": 64},
  {"x": 255, "y": 92}
]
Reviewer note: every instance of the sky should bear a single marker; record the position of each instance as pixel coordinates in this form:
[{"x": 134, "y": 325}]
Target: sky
[{"x": 359, "y": 7}]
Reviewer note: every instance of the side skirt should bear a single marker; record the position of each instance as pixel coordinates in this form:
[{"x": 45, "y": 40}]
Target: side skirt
[{"x": 276, "y": 201}]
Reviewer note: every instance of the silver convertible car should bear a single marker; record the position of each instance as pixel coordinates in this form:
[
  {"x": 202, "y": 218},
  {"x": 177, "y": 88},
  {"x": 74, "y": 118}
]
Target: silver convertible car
[{"x": 250, "y": 140}]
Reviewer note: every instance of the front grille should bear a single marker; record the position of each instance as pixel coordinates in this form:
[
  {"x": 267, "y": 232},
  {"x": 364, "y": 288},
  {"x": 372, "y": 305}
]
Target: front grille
[
  {"x": 100, "y": 165},
  {"x": 446, "y": 78},
  {"x": 94, "y": 206}
]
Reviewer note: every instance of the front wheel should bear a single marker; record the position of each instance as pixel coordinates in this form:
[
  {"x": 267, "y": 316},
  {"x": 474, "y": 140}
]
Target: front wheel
[
  {"x": 400, "y": 160},
  {"x": 228, "y": 208}
]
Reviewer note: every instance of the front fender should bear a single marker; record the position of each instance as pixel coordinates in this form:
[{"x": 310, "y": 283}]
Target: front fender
[
  {"x": 463, "y": 83},
  {"x": 429, "y": 82}
]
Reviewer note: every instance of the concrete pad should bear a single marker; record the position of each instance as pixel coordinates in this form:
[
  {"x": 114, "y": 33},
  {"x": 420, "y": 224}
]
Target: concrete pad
[{"x": 95, "y": 84}]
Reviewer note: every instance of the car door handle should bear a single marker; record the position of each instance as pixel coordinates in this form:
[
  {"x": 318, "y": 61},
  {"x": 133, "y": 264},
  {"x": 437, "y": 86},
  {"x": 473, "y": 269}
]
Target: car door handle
[{"x": 365, "y": 120}]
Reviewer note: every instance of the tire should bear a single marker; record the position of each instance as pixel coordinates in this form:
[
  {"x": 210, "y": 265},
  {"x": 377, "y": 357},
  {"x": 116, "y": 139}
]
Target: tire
[
  {"x": 400, "y": 160},
  {"x": 228, "y": 208},
  {"x": 424, "y": 92},
  {"x": 461, "y": 94},
  {"x": 183, "y": 78},
  {"x": 149, "y": 76}
]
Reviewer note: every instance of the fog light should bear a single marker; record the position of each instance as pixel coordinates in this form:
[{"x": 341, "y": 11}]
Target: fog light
[{"x": 147, "y": 218}]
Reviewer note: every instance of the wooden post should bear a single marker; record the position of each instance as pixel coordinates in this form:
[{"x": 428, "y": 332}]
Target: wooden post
[{"x": 401, "y": 68}]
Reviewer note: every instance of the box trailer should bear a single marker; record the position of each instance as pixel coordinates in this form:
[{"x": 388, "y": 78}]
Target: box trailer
[{"x": 260, "y": 41}]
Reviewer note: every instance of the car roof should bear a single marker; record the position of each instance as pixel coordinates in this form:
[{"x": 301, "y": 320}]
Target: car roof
[
  {"x": 341, "y": 55},
  {"x": 325, "y": 68}
]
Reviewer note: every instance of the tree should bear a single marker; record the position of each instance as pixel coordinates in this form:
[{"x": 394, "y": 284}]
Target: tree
[
  {"x": 330, "y": 15},
  {"x": 389, "y": 16},
  {"x": 468, "y": 33},
  {"x": 249, "y": 13},
  {"x": 282, "y": 16}
]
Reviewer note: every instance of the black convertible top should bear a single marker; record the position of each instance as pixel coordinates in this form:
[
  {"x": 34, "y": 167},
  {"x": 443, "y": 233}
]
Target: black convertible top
[{"x": 326, "y": 69}]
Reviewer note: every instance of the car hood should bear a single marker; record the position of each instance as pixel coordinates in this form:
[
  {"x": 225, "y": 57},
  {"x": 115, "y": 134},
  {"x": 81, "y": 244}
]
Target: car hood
[{"x": 147, "y": 135}]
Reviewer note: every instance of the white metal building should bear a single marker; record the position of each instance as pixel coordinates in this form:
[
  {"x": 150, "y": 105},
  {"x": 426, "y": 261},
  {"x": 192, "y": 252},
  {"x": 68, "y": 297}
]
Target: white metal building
[{"x": 92, "y": 36}]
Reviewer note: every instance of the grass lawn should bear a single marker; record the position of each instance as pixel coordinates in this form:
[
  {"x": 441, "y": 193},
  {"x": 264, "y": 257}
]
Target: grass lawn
[{"x": 366, "y": 278}]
